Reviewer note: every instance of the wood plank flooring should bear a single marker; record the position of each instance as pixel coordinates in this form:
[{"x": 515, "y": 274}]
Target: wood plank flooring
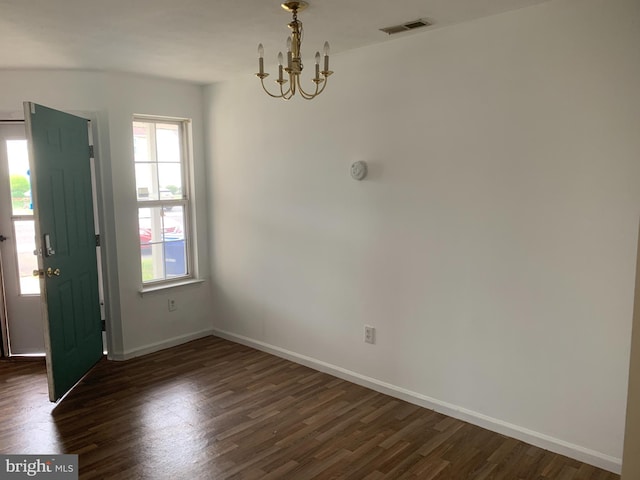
[{"x": 213, "y": 409}]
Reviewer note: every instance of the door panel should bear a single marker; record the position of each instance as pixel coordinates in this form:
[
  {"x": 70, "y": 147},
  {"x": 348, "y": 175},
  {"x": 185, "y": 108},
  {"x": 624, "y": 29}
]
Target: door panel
[
  {"x": 61, "y": 176},
  {"x": 23, "y": 322}
]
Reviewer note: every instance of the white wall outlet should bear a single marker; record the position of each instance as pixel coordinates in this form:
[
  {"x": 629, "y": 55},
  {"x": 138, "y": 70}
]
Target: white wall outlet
[
  {"x": 369, "y": 334},
  {"x": 171, "y": 305}
]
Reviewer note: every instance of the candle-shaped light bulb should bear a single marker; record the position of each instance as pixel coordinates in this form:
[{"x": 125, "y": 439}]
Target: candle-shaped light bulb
[
  {"x": 317, "y": 64},
  {"x": 280, "y": 60},
  {"x": 288, "y": 44},
  {"x": 289, "y": 55},
  {"x": 326, "y": 56},
  {"x": 260, "y": 58}
]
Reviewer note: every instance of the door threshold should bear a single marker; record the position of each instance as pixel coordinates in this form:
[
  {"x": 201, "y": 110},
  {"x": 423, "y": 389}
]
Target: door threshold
[{"x": 26, "y": 356}]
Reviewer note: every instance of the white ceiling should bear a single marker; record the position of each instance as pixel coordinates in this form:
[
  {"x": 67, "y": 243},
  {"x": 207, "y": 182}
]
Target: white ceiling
[{"x": 203, "y": 41}]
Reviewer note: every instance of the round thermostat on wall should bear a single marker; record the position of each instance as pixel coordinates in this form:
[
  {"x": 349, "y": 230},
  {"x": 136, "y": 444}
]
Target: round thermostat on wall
[{"x": 359, "y": 170}]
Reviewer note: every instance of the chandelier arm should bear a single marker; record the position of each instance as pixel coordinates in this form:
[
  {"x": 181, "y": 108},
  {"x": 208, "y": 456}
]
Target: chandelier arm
[
  {"x": 318, "y": 91},
  {"x": 290, "y": 95},
  {"x": 309, "y": 96},
  {"x": 268, "y": 92},
  {"x": 324, "y": 85},
  {"x": 285, "y": 95}
]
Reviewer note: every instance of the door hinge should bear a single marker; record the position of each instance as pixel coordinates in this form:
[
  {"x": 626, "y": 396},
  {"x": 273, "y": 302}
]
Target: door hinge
[
  {"x": 97, "y": 240},
  {"x": 103, "y": 323},
  {"x": 91, "y": 155}
]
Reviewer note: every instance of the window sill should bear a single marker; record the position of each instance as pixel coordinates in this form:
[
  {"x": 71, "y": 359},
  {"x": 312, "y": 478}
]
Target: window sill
[{"x": 167, "y": 286}]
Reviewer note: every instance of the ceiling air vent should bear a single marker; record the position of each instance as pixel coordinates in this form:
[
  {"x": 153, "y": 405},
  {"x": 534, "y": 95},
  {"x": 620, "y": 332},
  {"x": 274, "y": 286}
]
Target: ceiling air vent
[{"x": 407, "y": 26}]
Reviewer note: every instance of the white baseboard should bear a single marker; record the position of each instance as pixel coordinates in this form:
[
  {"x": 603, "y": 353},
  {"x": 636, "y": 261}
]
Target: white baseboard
[
  {"x": 541, "y": 440},
  {"x": 155, "y": 347}
]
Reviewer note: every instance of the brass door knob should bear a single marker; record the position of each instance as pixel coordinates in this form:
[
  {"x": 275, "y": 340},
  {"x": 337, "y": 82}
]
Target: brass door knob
[{"x": 51, "y": 272}]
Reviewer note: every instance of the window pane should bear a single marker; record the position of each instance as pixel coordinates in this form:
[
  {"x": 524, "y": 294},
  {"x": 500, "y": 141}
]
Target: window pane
[
  {"x": 170, "y": 178},
  {"x": 18, "y": 156},
  {"x": 153, "y": 263},
  {"x": 173, "y": 225},
  {"x": 27, "y": 261},
  {"x": 147, "y": 181},
  {"x": 168, "y": 142},
  {"x": 150, "y": 225},
  {"x": 175, "y": 257},
  {"x": 142, "y": 141},
  {"x": 163, "y": 251}
]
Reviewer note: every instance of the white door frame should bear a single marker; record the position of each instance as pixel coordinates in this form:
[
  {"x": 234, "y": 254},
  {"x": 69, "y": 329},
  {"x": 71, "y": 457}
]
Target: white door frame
[
  {"x": 26, "y": 305},
  {"x": 4, "y": 329},
  {"x": 99, "y": 215},
  {"x": 4, "y": 346}
]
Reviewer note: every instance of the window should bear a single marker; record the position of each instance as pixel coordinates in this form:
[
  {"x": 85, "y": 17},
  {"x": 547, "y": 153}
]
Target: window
[{"x": 162, "y": 184}]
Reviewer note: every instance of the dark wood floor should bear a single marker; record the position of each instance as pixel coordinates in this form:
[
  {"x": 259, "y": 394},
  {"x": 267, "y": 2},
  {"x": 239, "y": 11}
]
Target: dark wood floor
[{"x": 213, "y": 409}]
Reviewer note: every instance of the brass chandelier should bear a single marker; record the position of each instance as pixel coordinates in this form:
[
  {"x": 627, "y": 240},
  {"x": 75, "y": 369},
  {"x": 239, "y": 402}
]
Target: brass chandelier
[{"x": 294, "y": 61}]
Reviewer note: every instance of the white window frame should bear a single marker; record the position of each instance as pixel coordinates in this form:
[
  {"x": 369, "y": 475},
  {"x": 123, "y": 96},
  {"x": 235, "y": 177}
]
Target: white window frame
[{"x": 186, "y": 161}]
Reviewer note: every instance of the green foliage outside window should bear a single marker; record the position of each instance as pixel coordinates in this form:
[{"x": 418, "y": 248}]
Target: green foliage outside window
[
  {"x": 19, "y": 186},
  {"x": 20, "y": 193}
]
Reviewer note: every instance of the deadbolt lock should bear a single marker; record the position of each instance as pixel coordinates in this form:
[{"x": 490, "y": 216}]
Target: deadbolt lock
[
  {"x": 38, "y": 273},
  {"x": 51, "y": 272}
]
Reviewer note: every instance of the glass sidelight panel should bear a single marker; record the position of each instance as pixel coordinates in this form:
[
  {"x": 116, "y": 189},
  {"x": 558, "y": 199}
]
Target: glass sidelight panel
[
  {"x": 24, "y": 231},
  {"x": 18, "y": 156},
  {"x": 21, "y": 216}
]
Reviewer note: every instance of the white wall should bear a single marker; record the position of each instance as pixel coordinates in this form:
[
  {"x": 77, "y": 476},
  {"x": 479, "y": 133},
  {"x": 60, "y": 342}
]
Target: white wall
[
  {"x": 493, "y": 244},
  {"x": 135, "y": 324}
]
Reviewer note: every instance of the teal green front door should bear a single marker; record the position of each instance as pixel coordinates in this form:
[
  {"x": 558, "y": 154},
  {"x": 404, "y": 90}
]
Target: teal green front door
[{"x": 65, "y": 237}]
